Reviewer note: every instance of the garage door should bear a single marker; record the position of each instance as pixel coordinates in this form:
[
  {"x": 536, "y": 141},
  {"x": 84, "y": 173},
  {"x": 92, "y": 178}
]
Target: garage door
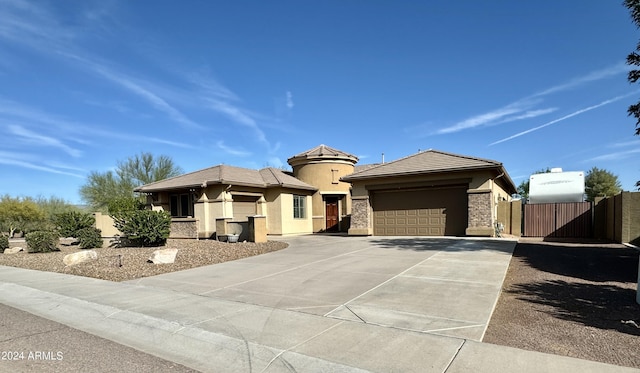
[
  {"x": 244, "y": 206},
  {"x": 420, "y": 212}
]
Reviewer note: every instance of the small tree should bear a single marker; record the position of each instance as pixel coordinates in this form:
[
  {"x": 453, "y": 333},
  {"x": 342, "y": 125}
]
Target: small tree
[
  {"x": 600, "y": 183},
  {"x": 138, "y": 170},
  {"x": 18, "y": 214},
  {"x": 633, "y": 59},
  {"x": 53, "y": 206}
]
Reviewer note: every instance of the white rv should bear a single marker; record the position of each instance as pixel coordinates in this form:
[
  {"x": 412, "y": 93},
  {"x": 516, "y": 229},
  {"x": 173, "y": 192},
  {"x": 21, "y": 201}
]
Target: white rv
[{"x": 556, "y": 186}]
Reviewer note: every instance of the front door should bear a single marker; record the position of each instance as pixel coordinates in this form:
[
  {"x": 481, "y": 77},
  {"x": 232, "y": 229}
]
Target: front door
[{"x": 332, "y": 215}]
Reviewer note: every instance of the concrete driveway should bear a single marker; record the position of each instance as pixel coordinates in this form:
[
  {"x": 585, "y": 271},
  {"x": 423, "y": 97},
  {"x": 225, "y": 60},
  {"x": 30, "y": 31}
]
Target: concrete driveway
[
  {"x": 325, "y": 304},
  {"x": 435, "y": 285}
]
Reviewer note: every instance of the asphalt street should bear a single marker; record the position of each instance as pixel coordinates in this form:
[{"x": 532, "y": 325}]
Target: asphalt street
[{"x": 30, "y": 343}]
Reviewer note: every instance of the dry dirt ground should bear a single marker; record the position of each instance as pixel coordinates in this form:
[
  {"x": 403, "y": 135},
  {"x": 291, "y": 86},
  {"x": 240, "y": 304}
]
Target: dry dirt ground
[
  {"x": 575, "y": 300},
  {"x": 127, "y": 263}
]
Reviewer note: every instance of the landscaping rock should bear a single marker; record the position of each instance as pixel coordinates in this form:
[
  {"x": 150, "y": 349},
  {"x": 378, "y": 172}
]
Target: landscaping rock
[
  {"x": 164, "y": 256},
  {"x": 68, "y": 241},
  {"x": 13, "y": 250},
  {"x": 79, "y": 257}
]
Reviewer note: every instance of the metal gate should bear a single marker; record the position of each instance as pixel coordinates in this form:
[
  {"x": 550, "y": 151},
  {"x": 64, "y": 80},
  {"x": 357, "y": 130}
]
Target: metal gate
[{"x": 567, "y": 219}]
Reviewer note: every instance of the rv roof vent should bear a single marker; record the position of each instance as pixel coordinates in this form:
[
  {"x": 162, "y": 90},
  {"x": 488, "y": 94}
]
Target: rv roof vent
[{"x": 556, "y": 169}]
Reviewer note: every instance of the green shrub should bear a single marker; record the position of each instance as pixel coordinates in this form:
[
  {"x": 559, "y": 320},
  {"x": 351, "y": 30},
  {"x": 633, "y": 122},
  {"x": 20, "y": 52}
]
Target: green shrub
[
  {"x": 4, "y": 242},
  {"x": 89, "y": 238},
  {"x": 69, "y": 223},
  {"x": 42, "y": 241},
  {"x": 146, "y": 227},
  {"x": 119, "y": 205}
]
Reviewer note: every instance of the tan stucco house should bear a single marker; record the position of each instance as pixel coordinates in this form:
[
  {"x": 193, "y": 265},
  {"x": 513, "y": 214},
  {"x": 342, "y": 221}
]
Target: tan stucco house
[{"x": 428, "y": 193}]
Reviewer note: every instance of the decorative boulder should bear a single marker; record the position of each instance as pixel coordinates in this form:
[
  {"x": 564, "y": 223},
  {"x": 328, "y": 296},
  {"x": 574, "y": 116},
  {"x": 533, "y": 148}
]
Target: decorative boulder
[
  {"x": 163, "y": 256},
  {"x": 13, "y": 250},
  {"x": 80, "y": 257}
]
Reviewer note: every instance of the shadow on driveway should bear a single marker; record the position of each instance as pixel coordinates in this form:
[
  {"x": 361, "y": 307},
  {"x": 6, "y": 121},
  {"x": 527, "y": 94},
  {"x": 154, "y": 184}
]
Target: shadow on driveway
[{"x": 443, "y": 244}]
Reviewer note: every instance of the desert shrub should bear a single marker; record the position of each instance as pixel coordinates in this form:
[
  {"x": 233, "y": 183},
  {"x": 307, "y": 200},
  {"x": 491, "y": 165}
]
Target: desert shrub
[
  {"x": 146, "y": 227},
  {"x": 4, "y": 242},
  {"x": 69, "y": 223},
  {"x": 89, "y": 238},
  {"x": 120, "y": 205},
  {"x": 42, "y": 241}
]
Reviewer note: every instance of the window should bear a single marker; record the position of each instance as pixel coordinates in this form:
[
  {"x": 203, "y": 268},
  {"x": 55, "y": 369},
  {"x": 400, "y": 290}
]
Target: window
[
  {"x": 181, "y": 205},
  {"x": 335, "y": 177},
  {"x": 299, "y": 207}
]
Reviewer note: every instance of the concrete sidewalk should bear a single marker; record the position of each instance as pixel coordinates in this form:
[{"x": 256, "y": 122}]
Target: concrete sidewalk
[{"x": 282, "y": 313}]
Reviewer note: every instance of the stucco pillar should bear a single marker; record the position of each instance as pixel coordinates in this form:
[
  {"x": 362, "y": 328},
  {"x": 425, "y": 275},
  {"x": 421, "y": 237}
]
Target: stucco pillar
[
  {"x": 360, "y": 217},
  {"x": 480, "y": 213},
  {"x": 257, "y": 228},
  {"x": 221, "y": 226}
]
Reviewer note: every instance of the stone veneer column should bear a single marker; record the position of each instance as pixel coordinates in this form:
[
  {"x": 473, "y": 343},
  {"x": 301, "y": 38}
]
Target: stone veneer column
[
  {"x": 480, "y": 216},
  {"x": 360, "y": 216}
]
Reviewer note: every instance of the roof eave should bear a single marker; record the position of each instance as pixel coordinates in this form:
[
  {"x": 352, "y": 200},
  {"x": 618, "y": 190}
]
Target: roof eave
[{"x": 355, "y": 177}]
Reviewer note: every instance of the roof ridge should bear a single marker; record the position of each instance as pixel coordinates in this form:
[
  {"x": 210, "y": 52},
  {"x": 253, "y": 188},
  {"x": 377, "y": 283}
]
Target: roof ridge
[
  {"x": 181, "y": 175},
  {"x": 464, "y": 156},
  {"x": 272, "y": 171}
]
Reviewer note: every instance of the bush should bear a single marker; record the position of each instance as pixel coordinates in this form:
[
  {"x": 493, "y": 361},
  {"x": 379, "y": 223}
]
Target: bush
[
  {"x": 4, "y": 242},
  {"x": 42, "y": 241},
  {"x": 69, "y": 223},
  {"x": 120, "y": 205},
  {"x": 89, "y": 238},
  {"x": 146, "y": 227}
]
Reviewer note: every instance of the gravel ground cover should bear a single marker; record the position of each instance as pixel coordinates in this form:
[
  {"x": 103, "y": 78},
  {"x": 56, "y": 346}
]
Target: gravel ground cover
[
  {"x": 128, "y": 263},
  {"x": 575, "y": 300}
]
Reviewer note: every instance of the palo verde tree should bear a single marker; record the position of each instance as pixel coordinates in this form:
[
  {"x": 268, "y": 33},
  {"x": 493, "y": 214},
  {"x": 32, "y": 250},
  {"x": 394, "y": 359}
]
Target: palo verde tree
[
  {"x": 19, "y": 215},
  {"x": 600, "y": 183},
  {"x": 633, "y": 59},
  {"x": 138, "y": 170}
]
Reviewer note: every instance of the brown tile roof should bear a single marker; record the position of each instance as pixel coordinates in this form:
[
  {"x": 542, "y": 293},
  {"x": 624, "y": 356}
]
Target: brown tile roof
[
  {"x": 224, "y": 174},
  {"x": 426, "y": 162},
  {"x": 322, "y": 152},
  {"x": 362, "y": 167}
]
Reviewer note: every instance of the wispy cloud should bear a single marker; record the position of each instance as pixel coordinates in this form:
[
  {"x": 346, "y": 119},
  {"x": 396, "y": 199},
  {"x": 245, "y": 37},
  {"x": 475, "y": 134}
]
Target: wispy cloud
[
  {"x": 290, "y": 100},
  {"x": 239, "y": 116},
  {"x": 524, "y": 108},
  {"x": 237, "y": 152},
  {"x": 590, "y": 77},
  {"x": 10, "y": 111},
  {"x": 33, "y": 138},
  {"x": 614, "y": 156},
  {"x": 138, "y": 88},
  {"x": 21, "y": 160},
  {"x": 619, "y": 154},
  {"x": 41, "y": 29},
  {"x": 603, "y": 103},
  {"x": 485, "y": 118}
]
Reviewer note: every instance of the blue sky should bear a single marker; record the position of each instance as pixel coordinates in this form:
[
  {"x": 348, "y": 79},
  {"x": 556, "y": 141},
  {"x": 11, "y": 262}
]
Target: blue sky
[{"x": 84, "y": 84}]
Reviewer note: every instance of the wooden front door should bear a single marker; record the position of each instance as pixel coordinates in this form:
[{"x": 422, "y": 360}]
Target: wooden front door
[{"x": 332, "y": 215}]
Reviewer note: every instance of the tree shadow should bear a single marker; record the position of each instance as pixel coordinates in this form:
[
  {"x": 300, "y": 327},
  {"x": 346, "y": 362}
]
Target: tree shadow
[
  {"x": 596, "y": 305},
  {"x": 587, "y": 262},
  {"x": 443, "y": 244}
]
